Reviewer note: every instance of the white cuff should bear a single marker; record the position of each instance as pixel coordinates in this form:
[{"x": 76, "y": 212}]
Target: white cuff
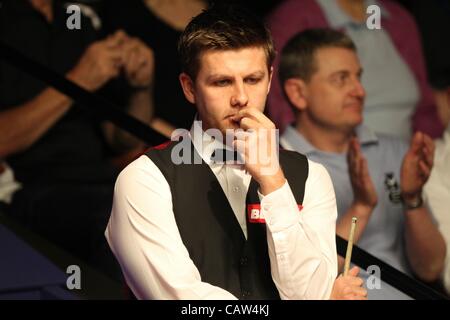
[{"x": 279, "y": 209}]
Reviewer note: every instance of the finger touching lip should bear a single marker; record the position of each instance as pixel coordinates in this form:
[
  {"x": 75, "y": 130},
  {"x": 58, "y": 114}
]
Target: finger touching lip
[{"x": 236, "y": 118}]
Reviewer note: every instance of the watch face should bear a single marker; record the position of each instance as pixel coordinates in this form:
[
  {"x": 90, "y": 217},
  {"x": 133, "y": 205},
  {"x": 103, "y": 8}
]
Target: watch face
[{"x": 417, "y": 203}]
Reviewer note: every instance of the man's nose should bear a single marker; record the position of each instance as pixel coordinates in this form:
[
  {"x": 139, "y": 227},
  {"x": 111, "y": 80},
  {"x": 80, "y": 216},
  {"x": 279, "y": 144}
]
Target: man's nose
[
  {"x": 239, "y": 97},
  {"x": 358, "y": 89}
]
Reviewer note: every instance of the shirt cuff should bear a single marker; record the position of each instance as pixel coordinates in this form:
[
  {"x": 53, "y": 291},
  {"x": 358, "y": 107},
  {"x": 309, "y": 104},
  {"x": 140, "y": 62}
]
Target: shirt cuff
[{"x": 279, "y": 209}]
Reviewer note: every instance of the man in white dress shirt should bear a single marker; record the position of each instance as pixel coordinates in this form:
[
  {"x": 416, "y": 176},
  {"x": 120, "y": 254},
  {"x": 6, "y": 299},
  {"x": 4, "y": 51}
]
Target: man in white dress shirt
[
  {"x": 437, "y": 189},
  {"x": 215, "y": 230}
]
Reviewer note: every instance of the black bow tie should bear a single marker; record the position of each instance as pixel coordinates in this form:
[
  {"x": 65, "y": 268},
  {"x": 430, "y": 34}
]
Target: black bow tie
[{"x": 223, "y": 155}]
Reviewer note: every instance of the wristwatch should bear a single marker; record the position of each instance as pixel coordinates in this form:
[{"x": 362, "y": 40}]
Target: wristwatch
[{"x": 417, "y": 202}]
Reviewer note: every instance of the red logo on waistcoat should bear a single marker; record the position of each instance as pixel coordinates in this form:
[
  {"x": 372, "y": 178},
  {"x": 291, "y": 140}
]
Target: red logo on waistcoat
[
  {"x": 161, "y": 146},
  {"x": 255, "y": 215}
]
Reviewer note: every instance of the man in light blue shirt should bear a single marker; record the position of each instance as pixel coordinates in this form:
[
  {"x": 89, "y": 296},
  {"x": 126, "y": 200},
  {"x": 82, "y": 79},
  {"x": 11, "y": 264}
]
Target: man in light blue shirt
[
  {"x": 377, "y": 179},
  {"x": 385, "y": 111}
]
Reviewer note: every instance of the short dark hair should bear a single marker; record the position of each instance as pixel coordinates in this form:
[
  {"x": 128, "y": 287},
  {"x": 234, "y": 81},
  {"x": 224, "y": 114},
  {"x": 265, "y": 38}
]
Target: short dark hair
[
  {"x": 222, "y": 27},
  {"x": 297, "y": 56}
]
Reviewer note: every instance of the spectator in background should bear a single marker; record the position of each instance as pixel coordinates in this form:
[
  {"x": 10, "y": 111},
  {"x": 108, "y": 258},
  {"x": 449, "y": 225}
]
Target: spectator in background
[
  {"x": 320, "y": 74},
  {"x": 437, "y": 189},
  {"x": 399, "y": 99},
  {"x": 59, "y": 151},
  {"x": 159, "y": 24}
]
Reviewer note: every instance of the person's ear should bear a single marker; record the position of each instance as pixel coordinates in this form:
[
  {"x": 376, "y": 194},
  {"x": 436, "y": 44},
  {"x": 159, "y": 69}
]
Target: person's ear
[
  {"x": 295, "y": 90},
  {"x": 188, "y": 87}
]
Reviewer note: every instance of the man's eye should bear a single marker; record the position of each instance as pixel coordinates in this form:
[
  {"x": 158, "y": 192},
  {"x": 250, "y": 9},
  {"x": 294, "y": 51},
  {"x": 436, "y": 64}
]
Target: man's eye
[
  {"x": 252, "y": 80},
  {"x": 222, "y": 83},
  {"x": 340, "y": 79}
]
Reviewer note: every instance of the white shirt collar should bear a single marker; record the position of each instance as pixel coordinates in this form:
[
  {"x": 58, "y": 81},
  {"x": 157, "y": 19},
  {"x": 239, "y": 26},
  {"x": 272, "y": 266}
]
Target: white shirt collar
[{"x": 205, "y": 142}]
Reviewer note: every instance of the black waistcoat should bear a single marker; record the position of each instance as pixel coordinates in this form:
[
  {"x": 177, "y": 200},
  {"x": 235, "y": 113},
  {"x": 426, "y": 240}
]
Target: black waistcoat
[{"x": 209, "y": 228}]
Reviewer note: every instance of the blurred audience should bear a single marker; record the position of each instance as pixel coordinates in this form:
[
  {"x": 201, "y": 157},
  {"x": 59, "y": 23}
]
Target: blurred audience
[
  {"x": 399, "y": 98},
  {"x": 377, "y": 178},
  {"x": 159, "y": 24},
  {"x": 58, "y": 151}
]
